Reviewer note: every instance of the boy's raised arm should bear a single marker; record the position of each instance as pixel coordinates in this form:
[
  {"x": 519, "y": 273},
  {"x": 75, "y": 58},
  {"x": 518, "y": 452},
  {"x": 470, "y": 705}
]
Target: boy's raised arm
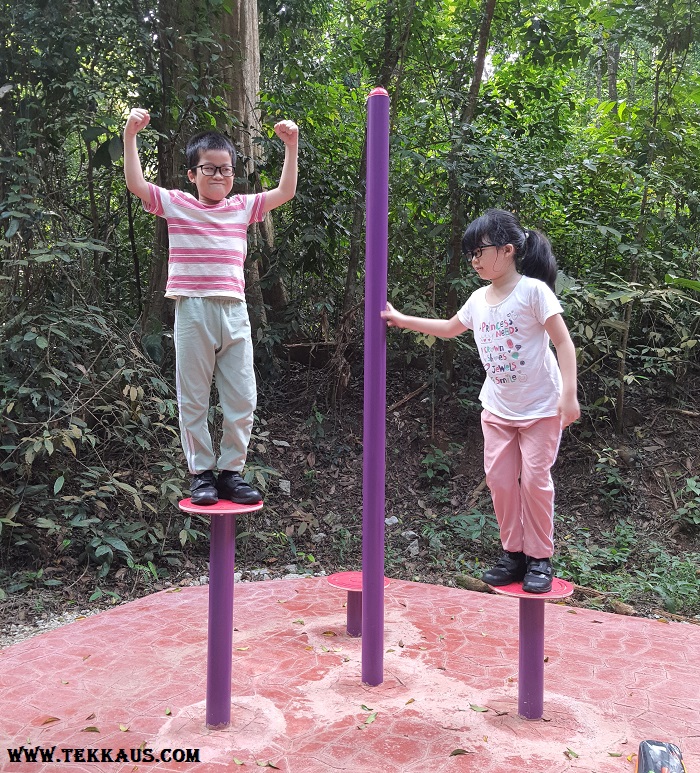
[
  {"x": 135, "y": 181},
  {"x": 288, "y": 132}
]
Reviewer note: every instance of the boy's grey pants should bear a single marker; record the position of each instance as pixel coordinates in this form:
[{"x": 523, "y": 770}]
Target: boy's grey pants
[{"x": 212, "y": 340}]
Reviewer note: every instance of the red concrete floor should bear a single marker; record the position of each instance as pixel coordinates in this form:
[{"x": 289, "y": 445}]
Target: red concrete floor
[{"x": 134, "y": 678}]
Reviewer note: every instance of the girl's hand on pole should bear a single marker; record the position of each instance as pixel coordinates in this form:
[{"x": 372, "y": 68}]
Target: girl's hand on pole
[
  {"x": 288, "y": 132},
  {"x": 569, "y": 410},
  {"x": 138, "y": 119},
  {"x": 391, "y": 316}
]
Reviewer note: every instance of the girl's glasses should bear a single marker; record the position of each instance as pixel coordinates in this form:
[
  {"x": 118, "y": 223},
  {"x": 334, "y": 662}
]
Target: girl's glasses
[
  {"x": 209, "y": 170},
  {"x": 475, "y": 254}
]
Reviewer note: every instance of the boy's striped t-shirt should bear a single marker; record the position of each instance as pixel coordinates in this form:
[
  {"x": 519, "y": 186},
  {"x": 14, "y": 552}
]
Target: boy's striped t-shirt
[{"x": 208, "y": 242}]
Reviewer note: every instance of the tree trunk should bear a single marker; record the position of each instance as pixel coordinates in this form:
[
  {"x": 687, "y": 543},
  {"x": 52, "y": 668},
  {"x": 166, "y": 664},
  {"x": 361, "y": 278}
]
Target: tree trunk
[
  {"x": 241, "y": 73},
  {"x": 613, "y": 54},
  {"x": 394, "y": 47},
  {"x": 466, "y": 116},
  {"x": 388, "y": 69},
  {"x": 174, "y": 15},
  {"x": 640, "y": 237}
]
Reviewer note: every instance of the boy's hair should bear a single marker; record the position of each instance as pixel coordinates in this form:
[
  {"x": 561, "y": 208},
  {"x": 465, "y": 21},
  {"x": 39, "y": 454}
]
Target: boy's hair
[
  {"x": 533, "y": 252},
  {"x": 197, "y": 144}
]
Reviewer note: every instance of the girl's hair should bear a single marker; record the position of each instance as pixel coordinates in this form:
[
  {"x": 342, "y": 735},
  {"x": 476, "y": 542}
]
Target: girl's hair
[
  {"x": 533, "y": 252},
  {"x": 197, "y": 144}
]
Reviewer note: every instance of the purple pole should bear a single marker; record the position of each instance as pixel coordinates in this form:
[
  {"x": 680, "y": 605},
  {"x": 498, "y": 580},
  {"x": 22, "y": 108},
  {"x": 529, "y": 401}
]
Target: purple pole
[
  {"x": 354, "y": 617},
  {"x": 374, "y": 437},
  {"x": 222, "y": 556},
  {"x": 531, "y": 658}
]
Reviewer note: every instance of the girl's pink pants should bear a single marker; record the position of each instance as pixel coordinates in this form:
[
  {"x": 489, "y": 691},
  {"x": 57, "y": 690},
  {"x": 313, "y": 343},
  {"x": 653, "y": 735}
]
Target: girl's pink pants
[{"x": 518, "y": 458}]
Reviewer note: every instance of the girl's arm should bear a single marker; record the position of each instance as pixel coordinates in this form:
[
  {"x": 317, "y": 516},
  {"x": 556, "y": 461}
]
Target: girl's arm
[
  {"x": 569, "y": 410},
  {"x": 288, "y": 132},
  {"x": 440, "y": 328}
]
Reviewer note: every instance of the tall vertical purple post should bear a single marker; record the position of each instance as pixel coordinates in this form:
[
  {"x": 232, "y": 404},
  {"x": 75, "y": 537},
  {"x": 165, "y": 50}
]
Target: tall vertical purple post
[
  {"x": 222, "y": 556},
  {"x": 374, "y": 436}
]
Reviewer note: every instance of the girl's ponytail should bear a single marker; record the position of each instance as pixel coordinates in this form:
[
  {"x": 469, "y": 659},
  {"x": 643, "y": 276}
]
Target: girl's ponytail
[
  {"x": 533, "y": 252},
  {"x": 537, "y": 260}
]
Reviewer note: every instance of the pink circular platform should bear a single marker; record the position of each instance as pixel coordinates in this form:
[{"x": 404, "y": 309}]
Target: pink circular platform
[
  {"x": 350, "y": 581},
  {"x": 222, "y": 507},
  {"x": 560, "y": 590}
]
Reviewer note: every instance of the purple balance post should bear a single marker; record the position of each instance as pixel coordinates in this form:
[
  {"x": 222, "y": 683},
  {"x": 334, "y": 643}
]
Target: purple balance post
[
  {"x": 531, "y": 642},
  {"x": 222, "y": 559},
  {"x": 374, "y": 437},
  {"x": 531, "y": 658}
]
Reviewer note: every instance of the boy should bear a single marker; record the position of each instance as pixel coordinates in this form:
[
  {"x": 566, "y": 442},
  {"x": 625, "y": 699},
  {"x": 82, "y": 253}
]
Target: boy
[{"x": 208, "y": 246}]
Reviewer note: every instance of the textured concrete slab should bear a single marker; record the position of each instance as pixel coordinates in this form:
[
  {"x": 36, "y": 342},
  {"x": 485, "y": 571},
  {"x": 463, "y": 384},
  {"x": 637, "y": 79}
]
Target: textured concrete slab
[{"x": 128, "y": 685}]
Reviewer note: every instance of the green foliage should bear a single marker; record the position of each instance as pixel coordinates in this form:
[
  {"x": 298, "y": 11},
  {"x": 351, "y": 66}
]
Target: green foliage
[
  {"x": 602, "y": 563},
  {"x": 663, "y": 337},
  {"x": 475, "y": 526},
  {"x": 437, "y": 464},
  {"x": 689, "y": 502},
  {"x": 90, "y": 446},
  {"x": 315, "y": 424},
  {"x": 613, "y": 487}
]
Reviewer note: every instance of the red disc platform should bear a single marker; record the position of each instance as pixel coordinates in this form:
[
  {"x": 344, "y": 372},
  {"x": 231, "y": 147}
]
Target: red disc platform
[
  {"x": 560, "y": 590},
  {"x": 222, "y": 507},
  {"x": 350, "y": 581}
]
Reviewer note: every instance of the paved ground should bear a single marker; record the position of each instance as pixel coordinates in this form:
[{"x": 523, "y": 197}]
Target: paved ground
[{"x": 134, "y": 678}]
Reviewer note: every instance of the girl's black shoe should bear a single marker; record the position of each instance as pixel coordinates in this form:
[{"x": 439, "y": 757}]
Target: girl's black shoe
[
  {"x": 538, "y": 578},
  {"x": 509, "y": 568}
]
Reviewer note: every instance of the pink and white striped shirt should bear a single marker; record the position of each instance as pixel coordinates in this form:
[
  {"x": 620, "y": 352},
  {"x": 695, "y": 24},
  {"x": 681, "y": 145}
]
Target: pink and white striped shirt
[{"x": 208, "y": 243}]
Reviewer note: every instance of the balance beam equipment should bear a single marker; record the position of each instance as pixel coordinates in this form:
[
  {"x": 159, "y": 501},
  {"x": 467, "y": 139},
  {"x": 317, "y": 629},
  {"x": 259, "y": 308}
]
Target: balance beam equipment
[
  {"x": 531, "y": 642},
  {"x": 222, "y": 557},
  {"x": 352, "y": 583}
]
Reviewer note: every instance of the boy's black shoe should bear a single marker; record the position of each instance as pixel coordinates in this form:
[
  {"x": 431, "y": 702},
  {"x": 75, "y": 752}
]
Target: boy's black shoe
[
  {"x": 232, "y": 486},
  {"x": 538, "y": 578},
  {"x": 509, "y": 568},
  {"x": 203, "y": 489}
]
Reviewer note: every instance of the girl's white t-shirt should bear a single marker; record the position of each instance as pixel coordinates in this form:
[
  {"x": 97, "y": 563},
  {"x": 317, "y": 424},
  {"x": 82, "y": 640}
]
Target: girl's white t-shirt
[{"x": 523, "y": 380}]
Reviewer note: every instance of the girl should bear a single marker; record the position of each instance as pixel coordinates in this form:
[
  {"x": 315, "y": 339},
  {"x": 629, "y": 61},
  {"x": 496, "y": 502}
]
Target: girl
[{"x": 527, "y": 399}]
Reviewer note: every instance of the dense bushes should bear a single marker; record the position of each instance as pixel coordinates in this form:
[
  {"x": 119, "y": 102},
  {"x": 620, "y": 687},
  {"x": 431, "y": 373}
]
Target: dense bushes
[{"x": 91, "y": 465}]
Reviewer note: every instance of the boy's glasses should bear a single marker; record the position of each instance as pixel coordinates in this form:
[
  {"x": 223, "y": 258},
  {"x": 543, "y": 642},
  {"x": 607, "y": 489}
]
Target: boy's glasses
[
  {"x": 209, "y": 170},
  {"x": 475, "y": 254}
]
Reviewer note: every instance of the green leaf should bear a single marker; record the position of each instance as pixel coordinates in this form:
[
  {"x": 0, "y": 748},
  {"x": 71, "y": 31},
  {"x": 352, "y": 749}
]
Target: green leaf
[
  {"x": 474, "y": 707},
  {"x": 58, "y": 485},
  {"x": 688, "y": 284}
]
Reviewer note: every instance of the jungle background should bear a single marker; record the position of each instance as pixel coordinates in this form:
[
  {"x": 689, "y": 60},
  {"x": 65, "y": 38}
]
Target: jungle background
[{"x": 582, "y": 117}]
